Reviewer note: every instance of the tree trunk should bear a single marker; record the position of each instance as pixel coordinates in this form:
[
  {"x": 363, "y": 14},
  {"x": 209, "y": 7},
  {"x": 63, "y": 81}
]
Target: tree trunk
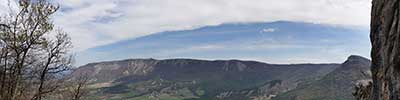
[{"x": 385, "y": 54}]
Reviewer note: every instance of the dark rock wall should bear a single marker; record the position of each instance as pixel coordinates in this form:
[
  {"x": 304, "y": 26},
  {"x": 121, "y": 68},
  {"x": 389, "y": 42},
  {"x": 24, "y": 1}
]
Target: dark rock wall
[{"x": 385, "y": 39}]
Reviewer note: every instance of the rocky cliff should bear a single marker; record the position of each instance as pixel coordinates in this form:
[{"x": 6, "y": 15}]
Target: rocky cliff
[{"x": 385, "y": 54}]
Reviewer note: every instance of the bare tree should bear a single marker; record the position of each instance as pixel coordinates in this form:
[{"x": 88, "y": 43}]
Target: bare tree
[
  {"x": 79, "y": 87},
  {"x": 73, "y": 88},
  {"x": 33, "y": 54}
]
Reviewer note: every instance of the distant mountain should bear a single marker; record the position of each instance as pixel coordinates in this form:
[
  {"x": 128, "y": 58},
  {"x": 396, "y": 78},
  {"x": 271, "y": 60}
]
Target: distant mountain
[
  {"x": 188, "y": 79},
  {"x": 337, "y": 85},
  {"x": 282, "y": 41}
]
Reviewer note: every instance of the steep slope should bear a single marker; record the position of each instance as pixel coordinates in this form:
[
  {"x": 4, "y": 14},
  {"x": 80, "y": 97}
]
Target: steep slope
[
  {"x": 337, "y": 85},
  {"x": 148, "y": 79}
]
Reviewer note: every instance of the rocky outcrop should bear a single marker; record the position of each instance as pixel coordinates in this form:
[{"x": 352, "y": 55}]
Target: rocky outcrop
[
  {"x": 363, "y": 91},
  {"x": 385, "y": 54}
]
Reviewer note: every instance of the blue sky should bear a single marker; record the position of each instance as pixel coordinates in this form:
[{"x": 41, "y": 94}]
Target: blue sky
[
  {"x": 96, "y": 23},
  {"x": 272, "y": 42}
]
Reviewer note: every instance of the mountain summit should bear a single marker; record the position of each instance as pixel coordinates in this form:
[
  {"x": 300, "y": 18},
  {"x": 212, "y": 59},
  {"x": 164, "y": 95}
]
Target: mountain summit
[{"x": 337, "y": 85}]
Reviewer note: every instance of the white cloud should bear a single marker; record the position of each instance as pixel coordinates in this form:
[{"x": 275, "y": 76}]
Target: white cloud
[
  {"x": 268, "y": 30},
  {"x": 97, "y": 22}
]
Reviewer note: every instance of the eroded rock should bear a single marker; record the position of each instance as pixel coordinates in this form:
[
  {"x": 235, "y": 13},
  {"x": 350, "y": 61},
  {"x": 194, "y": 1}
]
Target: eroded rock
[{"x": 385, "y": 54}]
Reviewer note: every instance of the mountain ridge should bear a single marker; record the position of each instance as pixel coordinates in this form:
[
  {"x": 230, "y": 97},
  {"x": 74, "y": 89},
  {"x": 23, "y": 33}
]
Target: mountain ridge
[
  {"x": 189, "y": 79},
  {"x": 134, "y": 59},
  {"x": 337, "y": 85}
]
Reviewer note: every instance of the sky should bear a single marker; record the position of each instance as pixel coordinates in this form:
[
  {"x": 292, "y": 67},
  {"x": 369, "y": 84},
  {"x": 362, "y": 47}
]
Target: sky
[
  {"x": 93, "y": 23},
  {"x": 281, "y": 42}
]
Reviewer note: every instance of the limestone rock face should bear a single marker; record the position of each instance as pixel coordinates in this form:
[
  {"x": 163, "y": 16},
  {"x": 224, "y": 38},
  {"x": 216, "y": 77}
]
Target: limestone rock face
[{"x": 385, "y": 54}]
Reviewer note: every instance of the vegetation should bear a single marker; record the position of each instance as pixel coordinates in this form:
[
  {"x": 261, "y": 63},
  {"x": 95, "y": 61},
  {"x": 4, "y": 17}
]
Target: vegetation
[
  {"x": 34, "y": 55},
  {"x": 35, "y": 64},
  {"x": 185, "y": 79}
]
